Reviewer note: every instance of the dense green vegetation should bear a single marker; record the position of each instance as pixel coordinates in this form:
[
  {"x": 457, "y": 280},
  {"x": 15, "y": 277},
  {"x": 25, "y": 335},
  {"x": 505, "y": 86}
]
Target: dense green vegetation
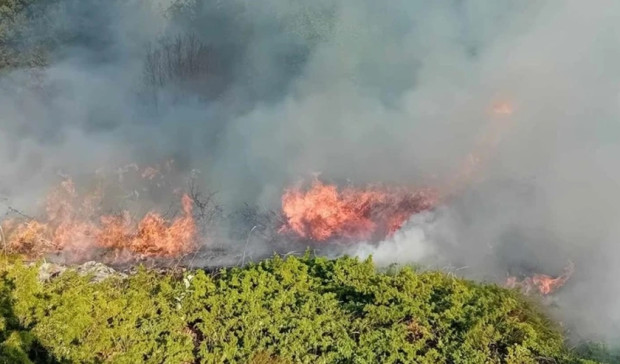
[
  {"x": 307, "y": 310},
  {"x": 32, "y": 31},
  {"x": 20, "y": 42}
]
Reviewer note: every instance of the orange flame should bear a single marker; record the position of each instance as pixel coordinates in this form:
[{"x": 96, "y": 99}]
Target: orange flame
[
  {"x": 543, "y": 283},
  {"x": 26, "y": 238},
  {"x": 157, "y": 238},
  {"x": 323, "y": 212},
  {"x": 73, "y": 224}
]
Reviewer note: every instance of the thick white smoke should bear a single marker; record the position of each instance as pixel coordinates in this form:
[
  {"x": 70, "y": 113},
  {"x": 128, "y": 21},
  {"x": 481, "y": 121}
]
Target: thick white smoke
[{"x": 414, "y": 244}]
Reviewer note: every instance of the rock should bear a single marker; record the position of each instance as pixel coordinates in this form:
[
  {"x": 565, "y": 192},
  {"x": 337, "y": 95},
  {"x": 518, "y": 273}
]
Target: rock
[
  {"x": 50, "y": 270},
  {"x": 98, "y": 271}
]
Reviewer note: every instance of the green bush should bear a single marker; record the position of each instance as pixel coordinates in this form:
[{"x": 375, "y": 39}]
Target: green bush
[
  {"x": 293, "y": 310},
  {"x": 20, "y": 42}
]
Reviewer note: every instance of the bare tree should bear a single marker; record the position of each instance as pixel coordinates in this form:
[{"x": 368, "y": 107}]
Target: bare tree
[{"x": 178, "y": 64}]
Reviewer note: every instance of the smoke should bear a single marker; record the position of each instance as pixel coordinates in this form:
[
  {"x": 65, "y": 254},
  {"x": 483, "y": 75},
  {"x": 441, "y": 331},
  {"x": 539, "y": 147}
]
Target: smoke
[
  {"x": 416, "y": 243},
  {"x": 392, "y": 92}
]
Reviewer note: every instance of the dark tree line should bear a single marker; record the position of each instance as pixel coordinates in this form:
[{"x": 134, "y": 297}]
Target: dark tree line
[{"x": 183, "y": 60}]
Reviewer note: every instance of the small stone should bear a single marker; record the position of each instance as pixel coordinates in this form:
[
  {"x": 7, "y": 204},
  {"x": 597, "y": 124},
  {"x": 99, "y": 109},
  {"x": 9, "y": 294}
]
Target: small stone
[{"x": 48, "y": 271}]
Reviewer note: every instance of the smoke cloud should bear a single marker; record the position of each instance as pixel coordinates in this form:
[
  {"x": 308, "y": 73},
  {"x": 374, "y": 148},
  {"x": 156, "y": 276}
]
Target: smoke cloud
[{"x": 362, "y": 91}]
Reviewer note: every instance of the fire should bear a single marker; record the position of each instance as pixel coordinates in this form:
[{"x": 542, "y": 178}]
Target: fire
[
  {"x": 543, "y": 283},
  {"x": 74, "y": 224},
  {"x": 155, "y": 237},
  {"x": 26, "y": 238},
  {"x": 324, "y": 212}
]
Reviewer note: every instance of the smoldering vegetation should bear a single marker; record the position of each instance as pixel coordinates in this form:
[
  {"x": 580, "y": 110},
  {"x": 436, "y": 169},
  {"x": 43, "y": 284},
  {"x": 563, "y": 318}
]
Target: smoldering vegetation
[{"x": 258, "y": 95}]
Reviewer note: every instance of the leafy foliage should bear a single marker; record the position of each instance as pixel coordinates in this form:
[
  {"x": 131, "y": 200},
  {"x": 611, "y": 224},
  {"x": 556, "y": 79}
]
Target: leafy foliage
[
  {"x": 19, "y": 47},
  {"x": 301, "y": 310},
  {"x": 34, "y": 32}
]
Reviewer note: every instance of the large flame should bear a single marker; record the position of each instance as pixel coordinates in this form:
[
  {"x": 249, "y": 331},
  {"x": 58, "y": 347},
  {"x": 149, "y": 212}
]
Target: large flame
[
  {"x": 74, "y": 224},
  {"x": 324, "y": 212}
]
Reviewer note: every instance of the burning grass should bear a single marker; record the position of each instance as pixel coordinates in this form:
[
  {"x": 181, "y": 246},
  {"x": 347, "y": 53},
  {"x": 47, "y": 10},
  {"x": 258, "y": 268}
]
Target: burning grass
[
  {"x": 324, "y": 212},
  {"x": 75, "y": 224}
]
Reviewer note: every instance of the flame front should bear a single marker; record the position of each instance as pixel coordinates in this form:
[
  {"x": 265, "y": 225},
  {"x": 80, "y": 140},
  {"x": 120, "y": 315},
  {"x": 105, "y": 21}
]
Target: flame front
[
  {"x": 323, "y": 212},
  {"x": 74, "y": 225}
]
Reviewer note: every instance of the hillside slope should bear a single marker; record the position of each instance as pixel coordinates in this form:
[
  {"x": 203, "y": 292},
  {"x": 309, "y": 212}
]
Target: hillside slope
[{"x": 306, "y": 310}]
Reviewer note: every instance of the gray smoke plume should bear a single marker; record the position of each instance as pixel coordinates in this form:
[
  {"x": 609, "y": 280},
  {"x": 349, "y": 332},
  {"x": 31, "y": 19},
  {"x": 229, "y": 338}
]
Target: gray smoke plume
[{"x": 257, "y": 95}]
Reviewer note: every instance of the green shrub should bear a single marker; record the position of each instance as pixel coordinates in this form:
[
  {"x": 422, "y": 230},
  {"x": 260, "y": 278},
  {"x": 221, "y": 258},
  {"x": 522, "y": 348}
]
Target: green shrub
[
  {"x": 293, "y": 310},
  {"x": 19, "y": 45}
]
